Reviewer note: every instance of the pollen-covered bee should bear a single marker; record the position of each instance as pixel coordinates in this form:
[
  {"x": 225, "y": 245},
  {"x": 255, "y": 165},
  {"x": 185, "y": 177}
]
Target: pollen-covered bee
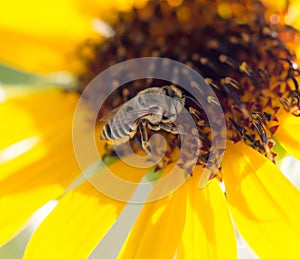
[{"x": 155, "y": 108}]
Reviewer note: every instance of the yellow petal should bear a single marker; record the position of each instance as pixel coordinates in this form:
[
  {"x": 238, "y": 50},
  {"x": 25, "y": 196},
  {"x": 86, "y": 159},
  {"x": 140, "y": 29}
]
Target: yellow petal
[
  {"x": 275, "y": 7},
  {"x": 158, "y": 229},
  {"x": 78, "y": 223},
  {"x": 208, "y": 231},
  {"x": 44, "y": 36},
  {"x": 192, "y": 223},
  {"x": 75, "y": 226},
  {"x": 38, "y": 162},
  {"x": 264, "y": 204},
  {"x": 288, "y": 132},
  {"x": 292, "y": 17},
  {"x": 286, "y": 11}
]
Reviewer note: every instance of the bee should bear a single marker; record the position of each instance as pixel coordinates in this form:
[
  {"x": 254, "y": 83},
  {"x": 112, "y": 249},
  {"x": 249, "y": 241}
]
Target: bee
[{"x": 155, "y": 108}]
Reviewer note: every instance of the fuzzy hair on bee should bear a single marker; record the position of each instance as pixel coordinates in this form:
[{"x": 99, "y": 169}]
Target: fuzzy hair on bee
[{"x": 155, "y": 108}]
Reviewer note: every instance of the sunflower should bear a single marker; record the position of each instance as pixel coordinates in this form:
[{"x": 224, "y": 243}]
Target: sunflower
[{"x": 245, "y": 50}]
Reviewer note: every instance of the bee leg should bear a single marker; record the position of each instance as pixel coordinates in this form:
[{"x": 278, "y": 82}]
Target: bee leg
[
  {"x": 144, "y": 136},
  {"x": 169, "y": 128},
  {"x": 165, "y": 127},
  {"x": 155, "y": 127}
]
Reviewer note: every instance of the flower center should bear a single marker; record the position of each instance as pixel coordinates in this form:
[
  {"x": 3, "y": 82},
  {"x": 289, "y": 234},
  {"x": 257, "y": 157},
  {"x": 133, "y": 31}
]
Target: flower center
[{"x": 241, "y": 55}]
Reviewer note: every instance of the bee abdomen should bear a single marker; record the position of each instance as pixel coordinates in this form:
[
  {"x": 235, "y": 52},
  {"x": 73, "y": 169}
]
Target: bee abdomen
[
  {"x": 115, "y": 132},
  {"x": 106, "y": 133},
  {"x": 121, "y": 131}
]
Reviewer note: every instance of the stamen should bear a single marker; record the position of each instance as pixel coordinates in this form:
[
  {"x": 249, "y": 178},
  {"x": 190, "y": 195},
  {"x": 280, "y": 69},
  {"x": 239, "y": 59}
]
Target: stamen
[
  {"x": 260, "y": 129},
  {"x": 230, "y": 81},
  {"x": 244, "y": 68},
  {"x": 244, "y": 59},
  {"x": 229, "y": 61},
  {"x": 292, "y": 103},
  {"x": 212, "y": 83},
  {"x": 211, "y": 99},
  {"x": 293, "y": 68}
]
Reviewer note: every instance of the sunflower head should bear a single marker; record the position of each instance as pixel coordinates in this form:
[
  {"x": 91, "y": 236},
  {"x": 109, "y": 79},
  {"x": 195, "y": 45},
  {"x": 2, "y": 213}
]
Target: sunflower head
[{"x": 241, "y": 52}]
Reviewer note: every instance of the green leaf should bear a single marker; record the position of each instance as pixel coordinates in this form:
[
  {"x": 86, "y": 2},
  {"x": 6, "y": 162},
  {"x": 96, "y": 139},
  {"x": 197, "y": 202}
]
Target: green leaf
[{"x": 11, "y": 77}]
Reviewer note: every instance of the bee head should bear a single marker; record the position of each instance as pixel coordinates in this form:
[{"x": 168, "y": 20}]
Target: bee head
[
  {"x": 176, "y": 101},
  {"x": 175, "y": 93}
]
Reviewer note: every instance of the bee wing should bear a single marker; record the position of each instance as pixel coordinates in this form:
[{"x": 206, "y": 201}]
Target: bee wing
[
  {"x": 107, "y": 117},
  {"x": 133, "y": 113}
]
